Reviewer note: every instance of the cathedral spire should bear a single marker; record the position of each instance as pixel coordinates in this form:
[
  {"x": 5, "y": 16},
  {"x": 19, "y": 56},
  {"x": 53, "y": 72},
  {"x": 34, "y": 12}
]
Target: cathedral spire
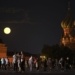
[
  {"x": 68, "y": 20},
  {"x": 69, "y": 6}
]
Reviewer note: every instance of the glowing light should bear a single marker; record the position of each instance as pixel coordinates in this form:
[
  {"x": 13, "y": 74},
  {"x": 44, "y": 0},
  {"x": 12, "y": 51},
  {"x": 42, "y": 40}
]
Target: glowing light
[{"x": 7, "y": 30}]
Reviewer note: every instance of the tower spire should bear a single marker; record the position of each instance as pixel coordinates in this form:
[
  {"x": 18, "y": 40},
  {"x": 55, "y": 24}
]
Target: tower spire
[{"x": 69, "y": 6}]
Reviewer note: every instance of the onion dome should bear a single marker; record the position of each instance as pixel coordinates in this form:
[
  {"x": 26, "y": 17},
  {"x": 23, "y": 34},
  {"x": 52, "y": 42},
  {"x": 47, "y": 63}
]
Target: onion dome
[{"x": 68, "y": 21}]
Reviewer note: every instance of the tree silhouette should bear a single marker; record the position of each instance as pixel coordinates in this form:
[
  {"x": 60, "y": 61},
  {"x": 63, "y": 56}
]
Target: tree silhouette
[{"x": 57, "y": 51}]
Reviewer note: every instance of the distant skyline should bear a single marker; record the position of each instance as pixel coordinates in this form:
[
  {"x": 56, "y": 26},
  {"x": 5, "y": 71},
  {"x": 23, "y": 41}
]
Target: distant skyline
[{"x": 33, "y": 24}]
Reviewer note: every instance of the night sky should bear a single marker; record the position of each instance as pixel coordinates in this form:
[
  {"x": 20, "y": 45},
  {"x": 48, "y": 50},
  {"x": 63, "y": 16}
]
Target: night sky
[{"x": 33, "y": 23}]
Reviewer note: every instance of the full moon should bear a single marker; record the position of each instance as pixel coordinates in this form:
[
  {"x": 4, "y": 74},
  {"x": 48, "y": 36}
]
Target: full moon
[{"x": 7, "y": 30}]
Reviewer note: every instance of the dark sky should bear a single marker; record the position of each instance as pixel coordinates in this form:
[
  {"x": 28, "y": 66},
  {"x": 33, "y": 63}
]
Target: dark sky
[{"x": 33, "y": 23}]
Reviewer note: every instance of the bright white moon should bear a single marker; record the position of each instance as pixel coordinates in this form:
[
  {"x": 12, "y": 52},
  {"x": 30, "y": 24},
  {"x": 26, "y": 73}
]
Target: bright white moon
[{"x": 7, "y": 30}]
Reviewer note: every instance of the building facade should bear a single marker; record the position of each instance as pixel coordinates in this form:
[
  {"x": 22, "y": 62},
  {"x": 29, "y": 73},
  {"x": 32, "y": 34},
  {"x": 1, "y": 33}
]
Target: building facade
[{"x": 3, "y": 50}]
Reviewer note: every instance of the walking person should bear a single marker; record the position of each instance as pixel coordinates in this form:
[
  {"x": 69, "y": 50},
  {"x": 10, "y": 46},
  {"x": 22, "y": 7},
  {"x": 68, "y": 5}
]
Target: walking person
[
  {"x": 6, "y": 63},
  {"x": 3, "y": 63},
  {"x": 30, "y": 61},
  {"x": 15, "y": 62},
  {"x": 22, "y": 62},
  {"x": 45, "y": 64},
  {"x": 19, "y": 62},
  {"x": 49, "y": 64}
]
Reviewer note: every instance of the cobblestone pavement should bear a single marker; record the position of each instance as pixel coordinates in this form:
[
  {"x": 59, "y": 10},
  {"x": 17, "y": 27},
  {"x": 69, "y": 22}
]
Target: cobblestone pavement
[{"x": 11, "y": 72}]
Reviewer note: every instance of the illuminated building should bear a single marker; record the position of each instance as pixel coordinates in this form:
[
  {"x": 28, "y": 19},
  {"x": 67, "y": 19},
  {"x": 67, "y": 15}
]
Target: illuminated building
[
  {"x": 68, "y": 38},
  {"x": 3, "y": 49}
]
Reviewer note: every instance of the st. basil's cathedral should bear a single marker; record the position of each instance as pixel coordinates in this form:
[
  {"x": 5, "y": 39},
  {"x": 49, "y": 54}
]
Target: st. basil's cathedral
[{"x": 68, "y": 26}]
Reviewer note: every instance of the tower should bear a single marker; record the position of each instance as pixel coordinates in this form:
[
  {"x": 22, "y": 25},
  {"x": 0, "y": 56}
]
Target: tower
[
  {"x": 3, "y": 49},
  {"x": 68, "y": 38}
]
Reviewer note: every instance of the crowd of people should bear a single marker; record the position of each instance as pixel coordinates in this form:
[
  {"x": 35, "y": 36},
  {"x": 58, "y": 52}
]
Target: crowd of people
[{"x": 20, "y": 64}]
